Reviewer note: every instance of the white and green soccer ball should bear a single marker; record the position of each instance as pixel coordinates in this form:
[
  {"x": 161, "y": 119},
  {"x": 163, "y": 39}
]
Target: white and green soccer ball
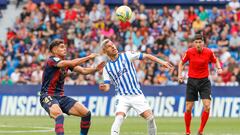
[{"x": 123, "y": 13}]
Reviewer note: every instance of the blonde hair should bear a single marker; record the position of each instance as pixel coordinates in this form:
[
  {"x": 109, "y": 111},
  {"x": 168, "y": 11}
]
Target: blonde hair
[{"x": 104, "y": 42}]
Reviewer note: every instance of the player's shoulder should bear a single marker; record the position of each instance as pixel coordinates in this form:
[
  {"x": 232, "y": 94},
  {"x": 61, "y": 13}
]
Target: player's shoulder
[
  {"x": 52, "y": 60},
  {"x": 208, "y": 50},
  {"x": 56, "y": 59},
  {"x": 191, "y": 50}
]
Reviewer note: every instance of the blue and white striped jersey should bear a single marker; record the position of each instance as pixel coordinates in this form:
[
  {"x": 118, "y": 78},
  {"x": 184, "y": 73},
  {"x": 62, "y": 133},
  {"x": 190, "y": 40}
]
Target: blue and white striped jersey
[{"x": 123, "y": 73}]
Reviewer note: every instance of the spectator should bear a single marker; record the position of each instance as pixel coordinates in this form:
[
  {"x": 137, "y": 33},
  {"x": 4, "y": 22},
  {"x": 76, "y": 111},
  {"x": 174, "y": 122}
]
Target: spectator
[
  {"x": 178, "y": 14},
  {"x": 55, "y": 8},
  {"x": 226, "y": 75},
  {"x": 191, "y": 14},
  {"x": 203, "y": 15},
  {"x": 224, "y": 55},
  {"x": 234, "y": 42},
  {"x": 174, "y": 57},
  {"x": 77, "y": 5},
  {"x": 213, "y": 15},
  {"x": 234, "y": 4},
  {"x": 31, "y": 6},
  {"x": 223, "y": 41},
  {"x": 107, "y": 31},
  {"x": 94, "y": 15},
  {"x": 88, "y": 4},
  {"x": 198, "y": 24},
  {"x": 70, "y": 14}
]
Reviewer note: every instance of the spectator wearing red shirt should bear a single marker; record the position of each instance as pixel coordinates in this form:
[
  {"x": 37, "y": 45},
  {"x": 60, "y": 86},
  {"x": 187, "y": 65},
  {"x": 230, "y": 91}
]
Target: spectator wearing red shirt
[
  {"x": 70, "y": 14},
  {"x": 199, "y": 57},
  {"x": 226, "y": 75},
  {"x": 191, "y": 14},
  {"x": 56, "y": 7}
]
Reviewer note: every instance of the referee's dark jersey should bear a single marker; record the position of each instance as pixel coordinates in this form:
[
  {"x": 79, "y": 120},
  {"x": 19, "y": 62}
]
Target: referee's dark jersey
[{"x": 198, "y": 62}]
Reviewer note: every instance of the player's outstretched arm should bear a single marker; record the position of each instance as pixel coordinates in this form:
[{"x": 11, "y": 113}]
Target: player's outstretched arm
[
  {"x": 155, "y": 59},
  {"x": 89, "y": 70},
  {"x": 104, "y": 87},
  {"x": 180, "y": 68},
  {"x": 75, "y": 62}
]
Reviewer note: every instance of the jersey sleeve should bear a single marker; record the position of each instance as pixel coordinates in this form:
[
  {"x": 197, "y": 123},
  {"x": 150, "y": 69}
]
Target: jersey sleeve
[
  {"x": 106, "y": 77},
  {"x": 132, "y": 55},
  {"x": 213, "y": 58},
  {"x": 53, "y": 61},
  {"x": 185, "y": 58}
]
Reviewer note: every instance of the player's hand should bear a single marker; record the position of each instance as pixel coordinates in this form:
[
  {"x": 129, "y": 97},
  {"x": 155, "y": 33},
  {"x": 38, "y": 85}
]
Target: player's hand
[
  {"x": 102, "y": 87},
  {"x": 93, "y": 55},
  {"x": 180, "y": 79},
  {"x": 219, "y": 71},
  {"x": 168, "y": 65},
  {"x": 101, "y": 66}
]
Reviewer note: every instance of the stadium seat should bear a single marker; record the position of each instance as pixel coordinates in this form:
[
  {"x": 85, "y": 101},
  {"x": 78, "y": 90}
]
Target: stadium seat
[{"x": 3, "y": 4}]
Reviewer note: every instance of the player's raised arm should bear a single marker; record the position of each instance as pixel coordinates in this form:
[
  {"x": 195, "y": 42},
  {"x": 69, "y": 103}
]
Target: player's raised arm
[
  {"x": 59, "y": 51},
  {"x": 89, "y": 70},
  {"x": 155, "y": 59},
  {"x": 75, "y": 62}
]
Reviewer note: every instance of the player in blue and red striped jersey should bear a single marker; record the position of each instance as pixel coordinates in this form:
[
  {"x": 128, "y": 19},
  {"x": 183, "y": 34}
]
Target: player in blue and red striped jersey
[
  {"x": 52, "y": 96},
  {"x": 199, "y": 57}
]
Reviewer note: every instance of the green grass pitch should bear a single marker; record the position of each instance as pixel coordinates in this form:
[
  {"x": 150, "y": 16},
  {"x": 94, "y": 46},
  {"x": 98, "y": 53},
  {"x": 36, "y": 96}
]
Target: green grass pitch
[{"x": 12, "y": 125}]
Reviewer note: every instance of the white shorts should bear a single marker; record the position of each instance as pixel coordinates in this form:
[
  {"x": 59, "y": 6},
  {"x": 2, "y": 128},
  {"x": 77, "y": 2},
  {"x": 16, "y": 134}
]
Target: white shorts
[{"x": 137, "y": 102}]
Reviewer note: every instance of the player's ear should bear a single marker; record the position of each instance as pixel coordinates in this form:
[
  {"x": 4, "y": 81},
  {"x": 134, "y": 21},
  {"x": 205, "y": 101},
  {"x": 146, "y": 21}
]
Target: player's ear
[
  {"x": 54, "y": 50},
  {"x": 103, "y": 51}
]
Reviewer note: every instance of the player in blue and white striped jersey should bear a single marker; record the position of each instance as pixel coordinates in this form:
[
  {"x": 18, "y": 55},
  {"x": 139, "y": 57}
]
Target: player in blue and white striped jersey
[{"x": 121, "y": 71}]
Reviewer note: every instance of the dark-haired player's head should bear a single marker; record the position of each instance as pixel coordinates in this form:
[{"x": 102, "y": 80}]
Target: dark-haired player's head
[
  {"x": 198, "y": 42},
  {"x": 58, "y": 48}
]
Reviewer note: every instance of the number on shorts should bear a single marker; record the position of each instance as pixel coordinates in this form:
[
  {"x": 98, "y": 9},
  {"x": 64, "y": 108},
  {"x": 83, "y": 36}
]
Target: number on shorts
[{"x": 47, "y": 99}]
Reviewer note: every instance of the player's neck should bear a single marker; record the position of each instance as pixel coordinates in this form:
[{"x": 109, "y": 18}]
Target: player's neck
[
  {"x": 58, "y": 56},
  {"x": 199, "y": 50},
  {"x": 114, "y": 57}
]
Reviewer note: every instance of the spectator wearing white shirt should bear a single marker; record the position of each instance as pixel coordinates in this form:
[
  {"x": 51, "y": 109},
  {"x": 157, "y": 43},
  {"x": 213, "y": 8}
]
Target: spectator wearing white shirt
[
  {"x": 225, "y": 55},
  {"x": 36, "y": 77},
  {"x": 15, "y": 75},
  {"x": 178, "y": 14},
  {"x": 94, "y": 15},
  {"x": 234, "y": 4},
  {"x": 234, "y": 42},
  {"x": 174, "y": 57}
]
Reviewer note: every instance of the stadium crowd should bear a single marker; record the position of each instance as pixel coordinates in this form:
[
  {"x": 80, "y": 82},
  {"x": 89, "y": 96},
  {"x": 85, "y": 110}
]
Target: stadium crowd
[{"x": 164, "y": 32}]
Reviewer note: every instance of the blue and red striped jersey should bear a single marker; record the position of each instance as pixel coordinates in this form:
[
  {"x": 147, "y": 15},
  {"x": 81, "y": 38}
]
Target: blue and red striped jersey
[{"x": 53, "y": 77}]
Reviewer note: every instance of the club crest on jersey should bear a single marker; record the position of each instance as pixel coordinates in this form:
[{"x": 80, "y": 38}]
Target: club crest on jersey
[{"x": 56, "y": 59}]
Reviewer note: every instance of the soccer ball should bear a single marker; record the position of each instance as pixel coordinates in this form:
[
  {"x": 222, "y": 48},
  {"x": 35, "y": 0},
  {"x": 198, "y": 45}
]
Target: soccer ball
[{"x": 123, "y": 13}]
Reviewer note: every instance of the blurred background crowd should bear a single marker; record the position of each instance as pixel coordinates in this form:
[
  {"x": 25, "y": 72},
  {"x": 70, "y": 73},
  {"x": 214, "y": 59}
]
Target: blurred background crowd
[{"x": 164, "y": 32}]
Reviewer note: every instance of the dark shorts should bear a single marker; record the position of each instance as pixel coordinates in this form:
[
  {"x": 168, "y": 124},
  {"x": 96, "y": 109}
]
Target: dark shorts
[
  {"x": 195, "y": 86},
  {"x": 64, "y": 102}
]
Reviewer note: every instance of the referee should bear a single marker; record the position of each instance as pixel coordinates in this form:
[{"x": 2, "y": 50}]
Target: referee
[{"x": 199, "y": 57}]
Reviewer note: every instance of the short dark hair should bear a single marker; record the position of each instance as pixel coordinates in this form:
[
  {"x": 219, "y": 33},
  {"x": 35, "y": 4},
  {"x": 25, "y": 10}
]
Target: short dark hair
[
  {"x": 55, "y": 42},
  {"x": 198, "y": 37}
]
